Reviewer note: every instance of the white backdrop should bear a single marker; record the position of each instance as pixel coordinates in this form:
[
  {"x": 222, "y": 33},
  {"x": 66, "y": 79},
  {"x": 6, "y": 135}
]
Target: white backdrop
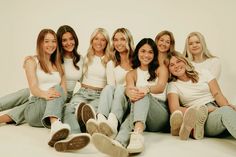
[{"x": 21, "y": 21}]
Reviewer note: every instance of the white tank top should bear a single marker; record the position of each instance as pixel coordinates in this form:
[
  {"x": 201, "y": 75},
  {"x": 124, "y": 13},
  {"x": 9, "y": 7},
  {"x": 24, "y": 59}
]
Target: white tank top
[
  {"x": 72, "y": 74},
  {"x": 47, "y": 80},
  {"x": 96, "y": 74},
  {"x": 142, "y": 77}
]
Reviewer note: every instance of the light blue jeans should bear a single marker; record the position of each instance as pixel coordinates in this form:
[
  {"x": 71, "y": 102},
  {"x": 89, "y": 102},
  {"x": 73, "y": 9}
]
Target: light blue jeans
[
  {"x": 12, "y": 100},
  {"x": 123, "y": 136},
  {"x": 153, "y": 113},
  {"x": 219, "y": 120},
  {"x": 82, "y": 95},
  {"x": 39, "y": 110},
  {"x": 113, "y": 100}
]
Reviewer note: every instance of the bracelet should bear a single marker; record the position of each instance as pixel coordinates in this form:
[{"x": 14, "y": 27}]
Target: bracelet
[{"x": 148, "y": 89}]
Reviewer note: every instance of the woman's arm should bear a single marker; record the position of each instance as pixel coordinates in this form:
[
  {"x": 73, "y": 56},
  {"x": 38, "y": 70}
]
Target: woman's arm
[
  {"x": 110, "y": 73},
  {"x": 131, "y": 91},
  {"x": 30, "y": 66},
  {"x": 217, "y": 94},
  {"x": 162, "y": 73},
  {"x": 173, "y": 102}
]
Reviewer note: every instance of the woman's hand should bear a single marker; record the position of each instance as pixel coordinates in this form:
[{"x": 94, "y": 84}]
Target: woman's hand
[
  {"x": 134, "y": 93},
  {"x": 51, "y": 94}
]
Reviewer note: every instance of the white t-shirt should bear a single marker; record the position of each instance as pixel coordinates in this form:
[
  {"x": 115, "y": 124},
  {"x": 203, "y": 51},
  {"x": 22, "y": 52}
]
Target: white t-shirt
[
  {"x": 142, "y": 77},
  {"x": 211, "y": 64},
  {"x": 115, "y": 75},
  {"x": 71, "y": 73},
  {"x": 193, "y": 93},
  {"x": 96, "y": 74}
]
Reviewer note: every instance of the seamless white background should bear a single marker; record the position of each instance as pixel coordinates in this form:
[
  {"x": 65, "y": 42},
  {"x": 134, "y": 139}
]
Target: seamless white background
[{"x": 21, "y": 21}]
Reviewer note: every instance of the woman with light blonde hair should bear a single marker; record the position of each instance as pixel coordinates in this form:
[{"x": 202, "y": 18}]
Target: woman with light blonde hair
[
  {"x": 84, "y": 102},
  {"x": 113, "y": 103},
  {"x": 197, "y": 52}
]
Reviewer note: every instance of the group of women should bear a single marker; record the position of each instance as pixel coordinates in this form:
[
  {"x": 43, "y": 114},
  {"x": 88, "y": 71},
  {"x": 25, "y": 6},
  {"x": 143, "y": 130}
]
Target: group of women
[{"x": 122, "y": 89}]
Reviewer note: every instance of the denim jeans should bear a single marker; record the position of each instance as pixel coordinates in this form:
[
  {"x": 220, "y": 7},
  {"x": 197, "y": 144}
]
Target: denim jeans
[
  {"x": 113, "y": 100},
  {"x": 152, "y": 112},
  {"x": 82, "y": 95},
  {"x": 39, "y": 110},
  {"x": 219, "y": 120},
  {"x": 14, "y": 99}
]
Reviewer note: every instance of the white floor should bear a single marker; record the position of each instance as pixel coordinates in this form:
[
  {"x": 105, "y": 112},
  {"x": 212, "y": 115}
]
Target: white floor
[{"x": 27, "y": 141}]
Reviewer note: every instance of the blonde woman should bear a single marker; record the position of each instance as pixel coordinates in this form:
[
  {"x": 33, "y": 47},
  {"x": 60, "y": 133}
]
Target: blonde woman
[
  {"x": 113, "y": 103},
  {"x": 94, "y": 79},
  {"x": 197, "y": 52},
  {"x": 189, "y": 89}
]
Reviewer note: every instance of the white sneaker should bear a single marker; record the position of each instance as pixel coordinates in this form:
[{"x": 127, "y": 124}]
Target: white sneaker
[
  {"x": 109, "y": 127},
  {"x": 59, "y": 131},
  {"x": 136, "y": 143},
  {"x": 109, "y": 146},
  {"x": 176, "y": 120},
  {"x": 73, "y": 142},
  {"x": 188, "y": 124},
  {"x": 92, "y": 125},
  {"x": 88, "y": 113},
  {"x": 78, "y": 114},
  {"x": 202, "y": 113}
]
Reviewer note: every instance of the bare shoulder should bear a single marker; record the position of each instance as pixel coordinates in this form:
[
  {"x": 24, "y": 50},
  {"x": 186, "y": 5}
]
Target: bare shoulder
[
  {"x": 131, "y": 73},
  {"x": 30, "y": 61}
]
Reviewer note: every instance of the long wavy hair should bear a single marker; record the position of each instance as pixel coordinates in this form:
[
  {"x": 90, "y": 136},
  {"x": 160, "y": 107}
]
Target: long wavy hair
[
  {"x": 172, "y": 40},
  {"x": 91, "y": 53},
  {"x": 129, "y": 45},
  {"x": 153, "y": 65},
  {"x": 190, "y": 70},
  {"x": 205, "y": 52},
  {"x": 75, "y": 55},
  {"x": 55, "y": 58}
]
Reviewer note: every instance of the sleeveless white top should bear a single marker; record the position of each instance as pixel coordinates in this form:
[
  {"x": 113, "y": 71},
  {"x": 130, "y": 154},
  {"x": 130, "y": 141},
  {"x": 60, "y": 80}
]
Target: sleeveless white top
[
  {"x": 96, "y": 74},
  {"x": 142, "y": 77},
  {"x": 46, "y": 80},
  {"x": 72, "y": 74}
]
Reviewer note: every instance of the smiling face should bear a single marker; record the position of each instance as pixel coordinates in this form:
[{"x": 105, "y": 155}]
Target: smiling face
[
  {"x": 68, "y": 42},
  {"x": 195, "y": 46},
  {"x": 163, "y": 44},
  {"x": 177, "y": 67},
  {"x": 119, "y": 42},
  {"x": 99, "y": 43},
  {"x": 49, "y": 44},
  {"x": 145, "y": 55}
]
